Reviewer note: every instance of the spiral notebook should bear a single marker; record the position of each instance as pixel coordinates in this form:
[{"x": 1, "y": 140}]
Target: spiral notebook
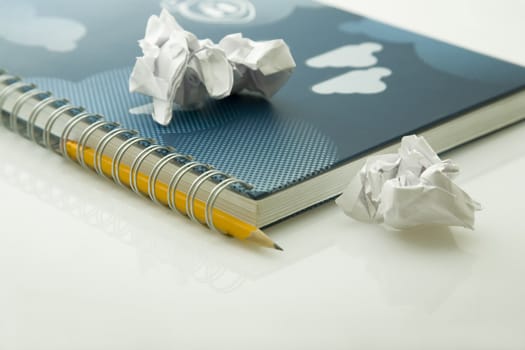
[{"x": 359, "y": 86}]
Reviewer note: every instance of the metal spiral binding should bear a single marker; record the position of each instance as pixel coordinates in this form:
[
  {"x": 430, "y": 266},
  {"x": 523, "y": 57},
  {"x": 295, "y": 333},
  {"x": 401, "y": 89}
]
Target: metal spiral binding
[
  {"x": 119, "y": 154},
  {"x": 192, "y": 192},
  {"x": 137, "y": 162},
  {"x": 155, "y": 172},
  {"x": 4, "y": 76},
  {"x": 69, "y": 127},
  {"x": 214, "y": 194},
  {"x": 174, "y": 182},
  {"x": 18, "y": 105},
  {"x": 102, "y": 144},
  {"x": 51, "y": 121},
  {"x": 33, "y": 115},
  {"x": 84, "y": 137},
  {"x": 95, "y": 122},
  {"x": 8, "y": 90}
]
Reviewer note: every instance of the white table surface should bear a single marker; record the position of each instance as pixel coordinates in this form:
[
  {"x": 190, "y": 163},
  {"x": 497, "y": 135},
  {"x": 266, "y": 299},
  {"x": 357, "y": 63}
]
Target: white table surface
[{"x": 87, "y": 265}]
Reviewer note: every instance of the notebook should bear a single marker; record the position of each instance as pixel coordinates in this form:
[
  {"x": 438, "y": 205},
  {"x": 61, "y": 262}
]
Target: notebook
[{"x": 359, "y": 86}]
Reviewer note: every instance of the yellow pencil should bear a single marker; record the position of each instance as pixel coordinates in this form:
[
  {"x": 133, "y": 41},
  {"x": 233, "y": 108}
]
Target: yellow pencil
[{"x": 224, "y": 222}]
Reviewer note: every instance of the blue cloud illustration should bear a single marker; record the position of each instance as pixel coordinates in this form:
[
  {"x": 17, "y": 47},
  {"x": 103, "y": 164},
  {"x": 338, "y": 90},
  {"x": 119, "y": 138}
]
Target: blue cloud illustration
[
  {"x": 252, "y": 12},
  {"x": 21, "y": 24},
  {"x": 443, "y": 57}
]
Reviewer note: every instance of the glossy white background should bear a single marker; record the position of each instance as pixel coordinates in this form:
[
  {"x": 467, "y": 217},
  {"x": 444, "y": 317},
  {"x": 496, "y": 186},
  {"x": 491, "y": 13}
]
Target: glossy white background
[{"x": 87, "y": 265}]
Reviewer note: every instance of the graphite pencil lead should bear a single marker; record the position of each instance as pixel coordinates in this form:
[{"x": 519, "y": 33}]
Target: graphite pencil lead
[{"x": 278, "y": 247}]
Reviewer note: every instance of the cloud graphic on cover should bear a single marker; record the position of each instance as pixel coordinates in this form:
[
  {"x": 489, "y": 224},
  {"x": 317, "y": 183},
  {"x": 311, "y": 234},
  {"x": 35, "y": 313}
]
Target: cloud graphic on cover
[
  {"x": 447, "y": 58},
  {"x": 252, "y": 12},
  {"x": 366, "y": 81},
  {"x": 21, "y": 24},
  {"x": 357, "y": 56}
]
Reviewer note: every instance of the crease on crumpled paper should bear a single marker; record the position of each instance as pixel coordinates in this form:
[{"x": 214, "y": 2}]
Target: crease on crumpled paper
[
  {"x": 178, "y": 68},
  {"x": 414, "y": 187}
]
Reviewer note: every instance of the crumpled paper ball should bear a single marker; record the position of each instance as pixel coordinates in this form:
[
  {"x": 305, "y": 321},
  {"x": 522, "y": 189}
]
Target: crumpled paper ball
[
  {"x": 178, "y": 68},
  {"x": 414, "y": 187}
]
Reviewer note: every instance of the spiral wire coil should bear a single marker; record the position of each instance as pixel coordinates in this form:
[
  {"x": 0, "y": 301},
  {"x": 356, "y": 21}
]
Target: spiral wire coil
[{"x": 96, "y": 122}]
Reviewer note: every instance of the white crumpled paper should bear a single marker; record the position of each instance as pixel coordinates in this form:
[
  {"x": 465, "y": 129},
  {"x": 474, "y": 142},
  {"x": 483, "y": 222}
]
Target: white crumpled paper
[
  {"x": 411, "y": 188},
  {"x": 179, "y": 68}
]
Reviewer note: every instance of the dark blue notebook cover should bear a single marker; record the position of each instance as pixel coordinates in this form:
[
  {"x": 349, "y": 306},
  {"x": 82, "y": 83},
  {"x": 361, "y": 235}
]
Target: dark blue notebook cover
[{"x": 359, "y": 84}]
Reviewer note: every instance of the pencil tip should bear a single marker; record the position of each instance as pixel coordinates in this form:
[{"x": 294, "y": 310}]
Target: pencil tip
[{"x": 262, "y": 239}]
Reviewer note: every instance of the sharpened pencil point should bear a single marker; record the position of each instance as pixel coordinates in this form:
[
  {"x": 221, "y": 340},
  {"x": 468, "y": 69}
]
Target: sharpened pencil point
[{"x": 262, "y": 239}]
